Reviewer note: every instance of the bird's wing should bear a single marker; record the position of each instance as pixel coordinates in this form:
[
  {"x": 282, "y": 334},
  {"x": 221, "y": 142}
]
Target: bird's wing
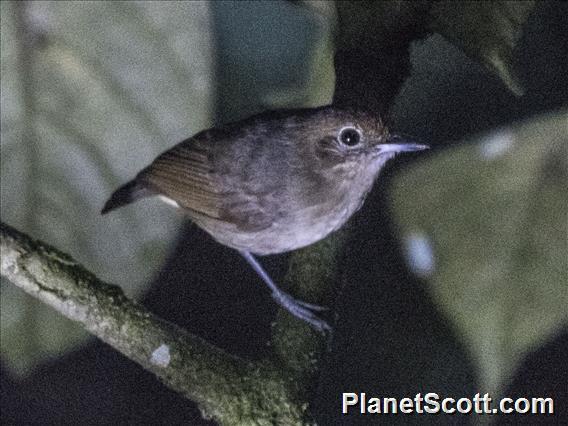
[
  {"x": 185, "y": 175},
  {"x": 190, "y": 175}
]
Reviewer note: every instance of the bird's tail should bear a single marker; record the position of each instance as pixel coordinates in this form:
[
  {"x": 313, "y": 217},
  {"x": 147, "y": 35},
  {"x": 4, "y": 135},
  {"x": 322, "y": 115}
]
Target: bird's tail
[{"x": 126, "y": 194}]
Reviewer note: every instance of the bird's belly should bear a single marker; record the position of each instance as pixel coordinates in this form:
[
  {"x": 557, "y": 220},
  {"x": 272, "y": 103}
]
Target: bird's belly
[{"x": 285, "y": 234}]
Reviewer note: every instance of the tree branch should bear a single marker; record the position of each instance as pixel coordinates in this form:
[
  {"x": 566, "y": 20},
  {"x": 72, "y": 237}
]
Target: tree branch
[{"x": 229, "y": 389}]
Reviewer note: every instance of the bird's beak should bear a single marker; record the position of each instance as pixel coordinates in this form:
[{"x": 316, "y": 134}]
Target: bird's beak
[{"x": 398, "y": 144}]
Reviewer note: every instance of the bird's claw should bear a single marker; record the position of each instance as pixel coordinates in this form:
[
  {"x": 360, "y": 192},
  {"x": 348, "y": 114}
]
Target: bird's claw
[{"x": 303, "y": 311}]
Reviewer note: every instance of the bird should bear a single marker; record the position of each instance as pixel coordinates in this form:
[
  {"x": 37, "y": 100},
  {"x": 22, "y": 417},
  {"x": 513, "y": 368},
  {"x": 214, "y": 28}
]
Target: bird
[{"x": 272, "y": 183}]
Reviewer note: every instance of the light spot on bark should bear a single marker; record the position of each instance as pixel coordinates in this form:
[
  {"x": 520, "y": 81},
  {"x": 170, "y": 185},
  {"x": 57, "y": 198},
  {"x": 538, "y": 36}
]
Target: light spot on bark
[{"x": 161, "y": 356}]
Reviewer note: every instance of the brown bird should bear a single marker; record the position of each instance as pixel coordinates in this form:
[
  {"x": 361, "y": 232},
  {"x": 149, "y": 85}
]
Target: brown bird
[{"x": 272, "y": 183}]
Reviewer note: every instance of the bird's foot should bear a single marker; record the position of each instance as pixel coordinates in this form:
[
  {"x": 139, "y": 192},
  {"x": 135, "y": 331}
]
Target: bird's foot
[{"x": 303, "y": 310}]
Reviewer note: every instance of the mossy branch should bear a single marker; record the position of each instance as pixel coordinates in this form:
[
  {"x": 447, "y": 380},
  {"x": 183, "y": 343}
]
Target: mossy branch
[{"x": 227, "y": 388}]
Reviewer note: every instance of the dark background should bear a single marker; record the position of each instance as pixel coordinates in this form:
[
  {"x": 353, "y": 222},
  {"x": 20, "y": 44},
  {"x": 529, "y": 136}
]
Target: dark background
[{"x": 390, "y": 338}]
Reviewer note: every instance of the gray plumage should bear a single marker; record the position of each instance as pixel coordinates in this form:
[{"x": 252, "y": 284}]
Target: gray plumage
[{"x": 272, "y": 183}]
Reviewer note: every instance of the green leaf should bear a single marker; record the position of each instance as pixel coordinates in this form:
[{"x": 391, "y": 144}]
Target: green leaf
[
  {"x": 485, "y": 31},
  {"x": 485, "y": 225},
  {"x": 317, "y": 89},
  {"x": 92, "y": 92}
]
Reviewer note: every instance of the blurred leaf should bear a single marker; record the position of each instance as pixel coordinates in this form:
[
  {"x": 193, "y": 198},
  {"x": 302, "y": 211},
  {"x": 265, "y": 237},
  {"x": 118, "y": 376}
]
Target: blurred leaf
[
  {"x": 318, "y": 88},
  {"x": 485, "y": 224},
  {"x": 485, "y": 31},
  {"x": 91, "y": 92}
]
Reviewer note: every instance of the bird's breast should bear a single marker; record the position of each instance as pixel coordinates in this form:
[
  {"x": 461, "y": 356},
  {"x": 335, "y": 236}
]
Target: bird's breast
[{"x": 295, "y": 229}]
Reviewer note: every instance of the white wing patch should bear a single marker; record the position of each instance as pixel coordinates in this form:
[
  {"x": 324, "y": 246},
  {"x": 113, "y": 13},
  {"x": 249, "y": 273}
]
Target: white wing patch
[{"x": 168, "y": 200}]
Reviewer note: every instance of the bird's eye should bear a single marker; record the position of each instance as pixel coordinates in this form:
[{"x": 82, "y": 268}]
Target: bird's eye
[{"x": 349, "y": 136}]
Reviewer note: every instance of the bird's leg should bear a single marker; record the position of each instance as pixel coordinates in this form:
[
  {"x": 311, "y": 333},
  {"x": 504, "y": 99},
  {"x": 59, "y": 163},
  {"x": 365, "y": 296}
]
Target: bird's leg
[{"x": 301, "y": 310}]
